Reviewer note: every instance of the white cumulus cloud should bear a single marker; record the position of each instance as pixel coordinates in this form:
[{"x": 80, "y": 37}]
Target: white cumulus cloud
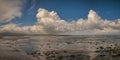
[
  {"x": 49, "y": 22},
  {"x": 10, "y": 9}
]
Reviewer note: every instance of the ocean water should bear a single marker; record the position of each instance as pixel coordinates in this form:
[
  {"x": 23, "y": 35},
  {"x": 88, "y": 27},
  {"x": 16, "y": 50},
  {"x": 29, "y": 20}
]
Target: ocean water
[{"x": 81, "y": 47}]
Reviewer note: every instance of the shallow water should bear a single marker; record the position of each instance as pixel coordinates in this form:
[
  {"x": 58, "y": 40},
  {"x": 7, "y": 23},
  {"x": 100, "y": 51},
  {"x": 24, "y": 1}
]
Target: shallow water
[{"x": 58, "y": 47}]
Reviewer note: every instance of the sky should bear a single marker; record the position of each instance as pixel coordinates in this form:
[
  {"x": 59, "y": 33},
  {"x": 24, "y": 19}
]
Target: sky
[
  {"x": 28, "y": 14},
  {"x": 70, "y": 10}
]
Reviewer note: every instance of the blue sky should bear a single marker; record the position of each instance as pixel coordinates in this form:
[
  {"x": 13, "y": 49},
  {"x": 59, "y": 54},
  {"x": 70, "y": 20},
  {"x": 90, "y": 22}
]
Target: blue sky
[
  {"x": 38, "y": 16},
  {"x": 69, "y": 9}
]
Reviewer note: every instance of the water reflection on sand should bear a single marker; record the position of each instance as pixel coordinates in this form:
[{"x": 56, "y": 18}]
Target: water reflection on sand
[{"x": 58, "y": 47}]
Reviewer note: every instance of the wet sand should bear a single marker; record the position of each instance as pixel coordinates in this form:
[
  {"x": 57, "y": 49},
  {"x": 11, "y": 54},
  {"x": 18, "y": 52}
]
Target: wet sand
[{"x": 57, "y": 47}]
